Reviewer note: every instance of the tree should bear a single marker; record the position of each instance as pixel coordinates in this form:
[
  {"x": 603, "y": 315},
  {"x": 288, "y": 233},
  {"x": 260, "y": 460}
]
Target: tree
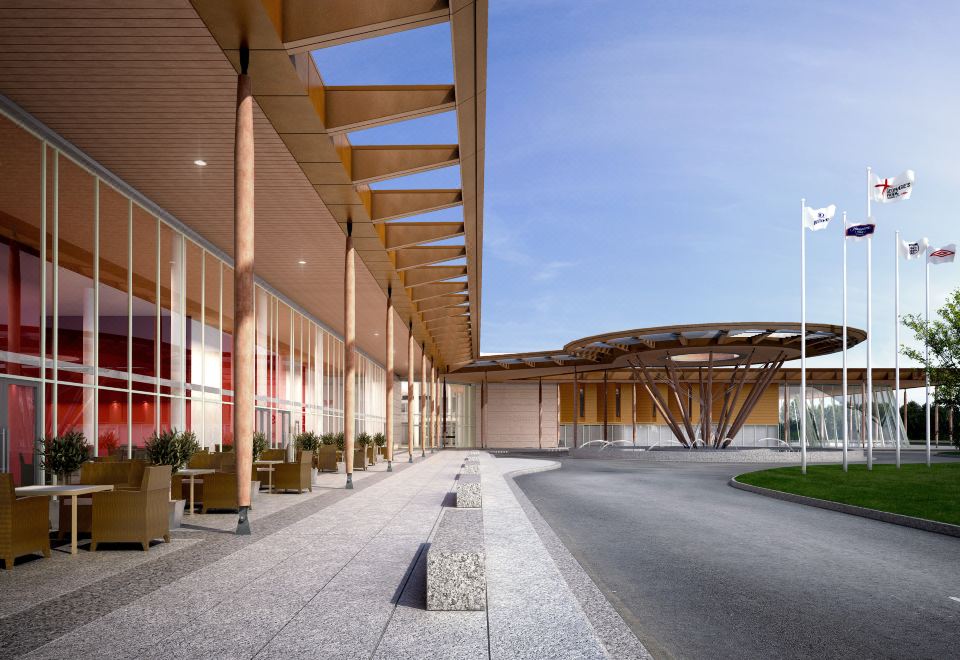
[{"x": 942, "y": 337}]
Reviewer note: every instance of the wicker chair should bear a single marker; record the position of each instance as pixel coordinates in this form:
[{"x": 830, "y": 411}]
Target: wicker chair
[
  {"x": 139, "y": 516},
  {"x": 359, "y": 459},
  {"x": 24, "y": 523},
  {"x": 327, "y": 458},
  {"x": 122, "y": 475},
  {"x": 296, "y": 475},
  {"x": 274, "y": 455},
  {"x": 372, "y": 455}
]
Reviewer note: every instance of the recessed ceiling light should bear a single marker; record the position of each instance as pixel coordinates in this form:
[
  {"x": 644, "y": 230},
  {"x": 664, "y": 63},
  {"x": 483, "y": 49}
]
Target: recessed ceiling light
[
  {"x": 376, "y": 334},
  {"x": 302, "y": 262},
  {"x": 200, "y": 163}
]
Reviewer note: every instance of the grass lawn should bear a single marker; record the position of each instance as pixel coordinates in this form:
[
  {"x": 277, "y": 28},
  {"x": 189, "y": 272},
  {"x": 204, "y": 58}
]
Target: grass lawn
[{"x": 913, "y": 490}]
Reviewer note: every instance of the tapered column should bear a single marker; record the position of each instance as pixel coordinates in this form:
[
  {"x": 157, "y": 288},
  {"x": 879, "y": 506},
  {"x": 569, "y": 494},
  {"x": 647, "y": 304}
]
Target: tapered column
[
  {"x": 436, "y": 409},
  {"x": 410, "y": 399},
  {"x": 433, "y": 408},
  {"x": 423, "y": 400},
  {"x": 576, "y": 405},
  {"x": 483, "y": 412},
  {"x": 389, "y": 393},
  {"x": 244, "y": 339},
  {"x": 349, "y": 354}
]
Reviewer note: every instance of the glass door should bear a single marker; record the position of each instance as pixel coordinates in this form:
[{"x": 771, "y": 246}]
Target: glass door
[{"x": 19, "y": 430}]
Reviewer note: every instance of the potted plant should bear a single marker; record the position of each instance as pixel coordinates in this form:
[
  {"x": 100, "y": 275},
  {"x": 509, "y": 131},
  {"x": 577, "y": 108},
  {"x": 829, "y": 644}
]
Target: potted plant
[
  {"x": 365, "y": 445},
  {"x": 309, "y": 441},
  {"x": 174, "y": 448},
  {"x": 380, "y": 440},
  {"x": 62, "y": 455},
  {"x": 338, "y": 438},
  {"x": 109, "y": 442},
  {"x": 260, "y": 444}
]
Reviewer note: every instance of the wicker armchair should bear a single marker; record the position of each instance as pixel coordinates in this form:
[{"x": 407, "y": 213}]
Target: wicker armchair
[
  {"x": 274, "y": 455},
  {"x": 24, "y": 523},
  {"x": 134, "y": 516},
  {"x": 327, "y": 458},
  {"x": 296, "y": 475},
  {"x": 122, "y": 475},
  {"x": 359, "y": 459},
  {"x": 220, "y": 488}
]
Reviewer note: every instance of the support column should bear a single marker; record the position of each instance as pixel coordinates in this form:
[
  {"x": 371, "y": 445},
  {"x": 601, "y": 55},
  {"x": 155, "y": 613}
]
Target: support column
[
  {"x": 244, "y": 338},
  {"x": 483, "y": 412},
  {"x": 390, "y": 370},
  {"x": 423, "y": 400},
  {"x": 434, "y": 417},
  {"x": 576, "y": 405},
  {"x": 410, "y": 368},
  {"x": 633, "y": 412},
  {"x": 605, "y": 406},
  {"x": 443, "y": 415},
  {"x": 349, "y": 354},
  {"x": 540, "y": 413}
]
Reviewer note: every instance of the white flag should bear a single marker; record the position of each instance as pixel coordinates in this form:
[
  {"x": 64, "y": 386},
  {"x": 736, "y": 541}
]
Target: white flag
[
  {"x": 892, "y": 190},
  {"x": 817, "y": 219},
  {"x": 913, "y": 250},
  {"x": 942, "y": 255}
]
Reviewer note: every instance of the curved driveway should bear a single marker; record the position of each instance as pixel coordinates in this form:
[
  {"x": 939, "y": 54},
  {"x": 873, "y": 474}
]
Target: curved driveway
[{"x": 702, "y": 570}]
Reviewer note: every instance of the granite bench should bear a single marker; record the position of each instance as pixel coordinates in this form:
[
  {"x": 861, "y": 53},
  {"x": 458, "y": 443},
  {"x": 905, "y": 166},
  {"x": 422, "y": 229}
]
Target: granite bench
[
  {"x": 468, "y": 491},
  {"x": 470, "y": 467},
  {"x": 456, "y": 578}
]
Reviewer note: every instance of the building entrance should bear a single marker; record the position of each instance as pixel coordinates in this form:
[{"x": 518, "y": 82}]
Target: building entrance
[{"x": 19, "y": 430}]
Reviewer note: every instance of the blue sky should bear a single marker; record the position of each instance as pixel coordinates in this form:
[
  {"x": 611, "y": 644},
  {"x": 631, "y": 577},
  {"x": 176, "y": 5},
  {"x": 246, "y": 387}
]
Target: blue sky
[{"x": 645, "y": 161}]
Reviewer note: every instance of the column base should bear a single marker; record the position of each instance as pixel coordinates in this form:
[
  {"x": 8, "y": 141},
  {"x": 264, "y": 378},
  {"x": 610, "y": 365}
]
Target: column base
[
  {"x": 349, "y": 485},
  {"x": 411, "y": 459},
  {"x": 243, "y": 523},
  {"x": 389, "y": 466}
]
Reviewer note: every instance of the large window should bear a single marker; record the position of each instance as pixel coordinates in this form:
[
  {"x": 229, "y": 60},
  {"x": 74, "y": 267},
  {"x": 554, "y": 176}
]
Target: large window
[{"x": 136, "y": 320}]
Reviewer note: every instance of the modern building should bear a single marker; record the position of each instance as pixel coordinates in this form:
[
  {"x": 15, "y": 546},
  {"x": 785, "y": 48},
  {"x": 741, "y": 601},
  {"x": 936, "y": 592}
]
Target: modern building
[{"x": 137, "y": 142}]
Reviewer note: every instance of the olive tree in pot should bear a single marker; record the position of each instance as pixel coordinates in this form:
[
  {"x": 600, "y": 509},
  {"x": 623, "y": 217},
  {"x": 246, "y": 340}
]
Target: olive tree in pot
[
  {"x": 174, "y": 448},
  {"x": 380, "y": 440},
  {"x": 62, "y": 455},
  {"x": 362, "y": 450},
  {"x": 259, "y": 444},
  {"x": 309, "y": 441}
]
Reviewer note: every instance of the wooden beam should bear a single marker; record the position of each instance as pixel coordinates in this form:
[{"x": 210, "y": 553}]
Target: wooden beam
[
  {"x": 427, "y": 291},
  {"x": 377, "y": 163},
  {"x": 406, "y": 234},
  {"x": 358, "y": 107},
  {"x": 440, "y": 312},
  {"x": 312, "y": 24},
  {"x": 394, "y": 204},
  {"x": 412, "y": 257},
  {"x": 430, "y": 274},
  {"x": 440, "y": 302}
]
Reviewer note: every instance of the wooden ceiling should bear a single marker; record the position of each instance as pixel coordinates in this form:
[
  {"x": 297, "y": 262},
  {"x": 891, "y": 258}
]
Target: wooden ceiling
[{"x": 145, "y": 87}]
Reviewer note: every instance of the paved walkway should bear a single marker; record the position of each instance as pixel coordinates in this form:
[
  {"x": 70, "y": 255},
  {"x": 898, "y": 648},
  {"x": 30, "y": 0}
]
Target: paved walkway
[{"x": 334, "y": 574}]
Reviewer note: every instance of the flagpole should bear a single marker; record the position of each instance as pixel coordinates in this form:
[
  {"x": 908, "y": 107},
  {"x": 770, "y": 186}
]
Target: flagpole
[
  {"x": 926, "y": 346},
  {"x": 869, "y": 401},
  {"x": 896, "y": 340},
  {"x": 803, "y": 341},
  {"x": 843, "y": 235}
]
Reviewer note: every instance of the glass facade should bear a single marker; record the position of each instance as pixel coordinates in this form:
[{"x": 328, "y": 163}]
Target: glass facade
[{"x": 135, "y": 322}]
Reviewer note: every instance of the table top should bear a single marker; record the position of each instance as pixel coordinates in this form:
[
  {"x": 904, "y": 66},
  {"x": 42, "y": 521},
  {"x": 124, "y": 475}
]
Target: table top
[
  {"x": 268, "y": 462},
  {"x": 192, "y": 472},
  {"x": 64, "y": 489},
  {"x": 266, "y": 469}
]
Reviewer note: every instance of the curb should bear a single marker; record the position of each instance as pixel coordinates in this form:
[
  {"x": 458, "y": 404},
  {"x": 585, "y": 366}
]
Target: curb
[{"x": 883, "y": 516}]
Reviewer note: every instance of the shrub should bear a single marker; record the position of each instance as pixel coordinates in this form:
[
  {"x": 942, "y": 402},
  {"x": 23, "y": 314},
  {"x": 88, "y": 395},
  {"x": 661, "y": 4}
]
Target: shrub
[
  {"x": 364, "y": 440},
  {"x": 63, "y": 454},
  {"x": 259, "y": 444},
  {"x": 339, "y": 439},
  {"x": 379, "y": 439},
  {"x": 307, "y": 441},
  {"x": 328, "y": 439},
  {"x": 171, "y": 447}
]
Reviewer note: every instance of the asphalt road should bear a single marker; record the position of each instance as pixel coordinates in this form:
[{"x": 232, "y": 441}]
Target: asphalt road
[{"x": 701, "y": 570}]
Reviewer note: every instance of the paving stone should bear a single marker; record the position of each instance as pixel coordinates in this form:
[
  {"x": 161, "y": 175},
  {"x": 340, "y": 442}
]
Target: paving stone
[
  {"x": 456, "y": 579},
  {"x": 469, "y": 491}
]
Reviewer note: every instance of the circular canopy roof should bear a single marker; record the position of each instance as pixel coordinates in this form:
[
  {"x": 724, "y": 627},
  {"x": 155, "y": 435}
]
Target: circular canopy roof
[{"x": 684, "y": 346}]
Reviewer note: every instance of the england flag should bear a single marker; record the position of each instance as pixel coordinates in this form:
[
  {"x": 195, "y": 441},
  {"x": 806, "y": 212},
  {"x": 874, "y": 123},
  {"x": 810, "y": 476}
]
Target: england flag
[
  {"x": 942, "y": 255},
  {"x": 817, "y": 219},
  {"x": 884, "y": 191},
  {"x": 913, "y": 250}
]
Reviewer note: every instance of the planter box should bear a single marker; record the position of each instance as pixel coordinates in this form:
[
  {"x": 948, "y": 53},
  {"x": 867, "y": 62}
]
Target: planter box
[
  {"x": 176, "y": 513},
  {"x": 254, "y": 491}
]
